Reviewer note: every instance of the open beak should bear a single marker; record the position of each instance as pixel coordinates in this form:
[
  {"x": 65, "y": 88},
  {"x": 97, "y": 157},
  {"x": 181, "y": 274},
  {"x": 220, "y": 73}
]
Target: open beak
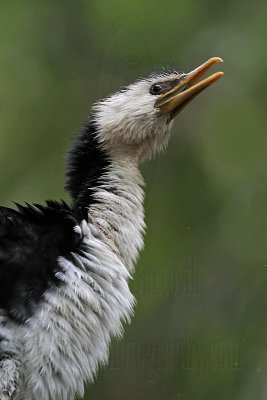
[{"x": 176, "y": 99}]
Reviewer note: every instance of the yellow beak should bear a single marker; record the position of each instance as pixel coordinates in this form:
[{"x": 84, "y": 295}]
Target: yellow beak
[{"x": 178, "y": 97}]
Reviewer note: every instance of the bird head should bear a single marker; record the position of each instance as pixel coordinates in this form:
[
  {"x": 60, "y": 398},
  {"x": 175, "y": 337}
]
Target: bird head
[{"x": 138, "y": 118}]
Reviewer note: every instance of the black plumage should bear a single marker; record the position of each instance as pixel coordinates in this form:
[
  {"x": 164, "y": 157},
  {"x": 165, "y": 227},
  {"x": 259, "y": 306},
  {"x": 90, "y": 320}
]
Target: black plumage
[
  {"x": 32, "y": 238},
  {"x": 87, "y": 162}
]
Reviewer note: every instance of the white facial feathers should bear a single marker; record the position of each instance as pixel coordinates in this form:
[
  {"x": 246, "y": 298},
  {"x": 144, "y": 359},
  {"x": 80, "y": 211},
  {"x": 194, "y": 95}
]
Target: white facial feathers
[{"x": 129, "y": 121}]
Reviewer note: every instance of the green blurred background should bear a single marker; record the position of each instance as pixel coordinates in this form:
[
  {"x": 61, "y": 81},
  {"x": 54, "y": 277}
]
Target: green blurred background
[{"x": 200, "y": 328}]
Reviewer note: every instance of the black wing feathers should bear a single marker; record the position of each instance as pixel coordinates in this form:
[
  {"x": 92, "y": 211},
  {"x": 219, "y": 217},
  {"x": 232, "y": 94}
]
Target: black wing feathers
[{"x": 31, "y": 240}]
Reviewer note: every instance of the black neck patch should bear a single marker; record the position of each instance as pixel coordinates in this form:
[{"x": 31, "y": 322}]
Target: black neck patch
[{"x": 87, "y": 162}]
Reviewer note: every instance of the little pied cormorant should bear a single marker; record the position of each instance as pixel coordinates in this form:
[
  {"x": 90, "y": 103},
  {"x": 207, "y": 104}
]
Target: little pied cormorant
[{"x": 64, "y": 270}]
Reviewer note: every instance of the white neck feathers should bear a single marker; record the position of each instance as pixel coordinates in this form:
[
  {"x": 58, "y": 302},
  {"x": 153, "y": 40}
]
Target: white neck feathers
[{"x": 118, "y": 209}]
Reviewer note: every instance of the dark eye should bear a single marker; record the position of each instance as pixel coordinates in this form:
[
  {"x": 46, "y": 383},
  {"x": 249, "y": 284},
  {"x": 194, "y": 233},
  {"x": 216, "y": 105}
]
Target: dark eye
[{"x": 156, "y": 88}]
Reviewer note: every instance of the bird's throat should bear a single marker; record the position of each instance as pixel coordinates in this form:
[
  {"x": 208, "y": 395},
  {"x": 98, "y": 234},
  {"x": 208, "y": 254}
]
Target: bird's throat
[{"x": 117, "y": 209}]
